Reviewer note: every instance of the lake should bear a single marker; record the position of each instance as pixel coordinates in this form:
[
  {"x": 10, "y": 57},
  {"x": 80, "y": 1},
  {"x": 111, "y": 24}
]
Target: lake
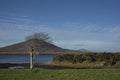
[{"x": 25, "y": 58}]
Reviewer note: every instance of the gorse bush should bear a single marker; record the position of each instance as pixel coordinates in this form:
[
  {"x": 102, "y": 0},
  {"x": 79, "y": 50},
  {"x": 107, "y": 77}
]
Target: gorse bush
[{"x": 109, "y": 59}]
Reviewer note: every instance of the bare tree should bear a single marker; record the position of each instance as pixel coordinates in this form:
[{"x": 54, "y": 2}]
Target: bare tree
[{"x": 37, "y": 43}]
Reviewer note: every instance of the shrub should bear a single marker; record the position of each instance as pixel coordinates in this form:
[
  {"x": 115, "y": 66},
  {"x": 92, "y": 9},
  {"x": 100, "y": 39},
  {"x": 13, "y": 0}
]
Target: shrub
[{"x": 109, "y": 59}]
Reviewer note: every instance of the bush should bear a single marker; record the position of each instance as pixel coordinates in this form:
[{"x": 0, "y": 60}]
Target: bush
[{"x": 110, "y": 59}]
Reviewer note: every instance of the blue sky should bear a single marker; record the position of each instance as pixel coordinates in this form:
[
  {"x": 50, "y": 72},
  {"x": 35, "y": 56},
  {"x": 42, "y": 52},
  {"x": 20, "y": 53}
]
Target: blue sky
[{"x": 73, "y": 24}]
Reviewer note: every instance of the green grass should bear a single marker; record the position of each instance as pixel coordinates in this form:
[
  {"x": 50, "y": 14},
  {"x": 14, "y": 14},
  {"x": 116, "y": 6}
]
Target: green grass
[{"x": 68, "y": 74}]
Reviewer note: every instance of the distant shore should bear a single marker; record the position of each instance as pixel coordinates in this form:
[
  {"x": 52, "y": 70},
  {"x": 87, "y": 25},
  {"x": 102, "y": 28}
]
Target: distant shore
[
  {"x": 62, "y": 52},
  {"x": 36, "y": 65}
]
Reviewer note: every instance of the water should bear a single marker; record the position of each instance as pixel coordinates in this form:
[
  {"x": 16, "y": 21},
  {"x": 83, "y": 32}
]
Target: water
[{"x": 25, "y": 58}]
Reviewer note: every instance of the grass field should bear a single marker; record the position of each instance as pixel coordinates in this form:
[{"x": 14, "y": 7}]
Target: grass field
[{"x": 68, "y": 74}]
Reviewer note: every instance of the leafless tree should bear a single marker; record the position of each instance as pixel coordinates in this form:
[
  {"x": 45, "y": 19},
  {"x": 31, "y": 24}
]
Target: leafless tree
[{"x": 37, "y": 43}]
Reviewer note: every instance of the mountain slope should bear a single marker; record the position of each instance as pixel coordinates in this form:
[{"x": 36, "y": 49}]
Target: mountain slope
[{"x": 20, "y": 48}]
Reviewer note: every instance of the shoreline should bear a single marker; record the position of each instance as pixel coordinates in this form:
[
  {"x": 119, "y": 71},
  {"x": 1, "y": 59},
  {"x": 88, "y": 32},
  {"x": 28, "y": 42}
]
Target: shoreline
[
  {"x": 36, "y": 65},
  {"x": 47, "y": 66}
]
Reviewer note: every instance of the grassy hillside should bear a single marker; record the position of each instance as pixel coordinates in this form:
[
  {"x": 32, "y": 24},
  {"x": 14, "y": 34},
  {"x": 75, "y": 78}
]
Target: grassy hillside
[{"x": 70, "y": 74}]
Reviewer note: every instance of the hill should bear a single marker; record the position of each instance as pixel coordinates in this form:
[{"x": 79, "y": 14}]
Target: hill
[
  {"x": 20, "y": 48},
  {"x": 83, "y": 50}
]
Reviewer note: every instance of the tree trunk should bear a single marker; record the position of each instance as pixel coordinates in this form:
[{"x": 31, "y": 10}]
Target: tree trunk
[{"x": 31, "y": 60}]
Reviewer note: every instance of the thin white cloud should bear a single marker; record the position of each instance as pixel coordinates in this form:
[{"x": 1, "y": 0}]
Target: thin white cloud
[
  {"x": 92, "y": 37},
  {"x": 112, "y": 29}
]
